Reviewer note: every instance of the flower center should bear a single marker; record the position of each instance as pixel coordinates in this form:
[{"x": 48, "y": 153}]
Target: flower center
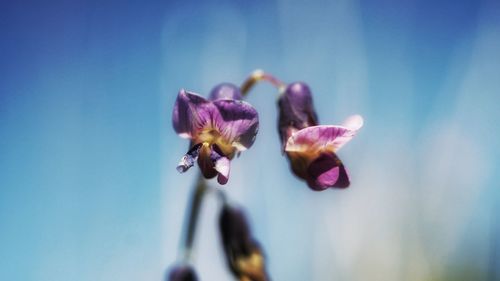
[{"x": 212, "y": 136}]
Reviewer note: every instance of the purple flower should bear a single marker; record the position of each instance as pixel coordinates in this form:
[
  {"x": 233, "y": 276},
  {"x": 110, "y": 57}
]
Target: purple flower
[
  {"x": 311, "y": 148},
  {"x": 218, "y": 129},
  {"x": 182, "y": 273}
]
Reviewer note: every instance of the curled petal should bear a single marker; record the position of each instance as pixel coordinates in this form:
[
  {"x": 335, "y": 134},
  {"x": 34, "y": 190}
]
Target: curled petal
[
  {"x": 327, "y": 171},
  {"x": 213, "y": 162},
  {"x": 237, "y": 122},
  {"x": 226, "y": 91},
  {"x": 354, "y": 122},
  {"x": 319, "y": 138},
  {"x": 222, "y": 166},
  {"x": 206, "y": 160},
  {"x": 187, "y": 161}
]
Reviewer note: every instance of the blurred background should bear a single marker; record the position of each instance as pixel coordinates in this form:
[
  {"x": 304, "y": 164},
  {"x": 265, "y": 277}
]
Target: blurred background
[{"x": 88, "y": 186}]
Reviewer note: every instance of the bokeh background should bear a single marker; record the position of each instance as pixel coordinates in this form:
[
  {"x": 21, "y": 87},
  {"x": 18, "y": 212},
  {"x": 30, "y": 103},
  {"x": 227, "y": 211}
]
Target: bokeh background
[{"x": 88, "y": 186}]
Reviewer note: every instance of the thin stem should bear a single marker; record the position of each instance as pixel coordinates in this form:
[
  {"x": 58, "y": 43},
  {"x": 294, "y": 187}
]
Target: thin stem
[
  {"x": 196, "y": 201},
  {"x": 259, "y": 75},
  {"x": 221, "y": 195}
]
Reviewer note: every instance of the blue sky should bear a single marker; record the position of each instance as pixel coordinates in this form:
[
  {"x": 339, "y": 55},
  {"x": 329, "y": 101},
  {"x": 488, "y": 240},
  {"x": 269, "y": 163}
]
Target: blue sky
[{"x": 88, "y": 186}]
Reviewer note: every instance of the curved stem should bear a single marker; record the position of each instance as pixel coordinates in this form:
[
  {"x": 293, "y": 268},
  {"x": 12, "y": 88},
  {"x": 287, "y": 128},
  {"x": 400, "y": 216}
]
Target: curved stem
[
  {"x": 194, "y": 211},
  {"x": 259, "y": 75}
]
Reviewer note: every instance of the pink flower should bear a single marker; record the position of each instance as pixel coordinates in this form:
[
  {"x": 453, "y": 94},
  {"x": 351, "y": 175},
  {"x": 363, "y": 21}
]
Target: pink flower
[{"x": 311, "y": 148}]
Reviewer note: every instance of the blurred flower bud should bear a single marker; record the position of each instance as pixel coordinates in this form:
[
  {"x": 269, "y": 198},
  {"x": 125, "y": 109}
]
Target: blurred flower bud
[
  {"x": 182, "y": 273},
  {"x": 296, "y": 110},
  {"x": 243, "y": 254},
  {"x": 226, "y": 91}
]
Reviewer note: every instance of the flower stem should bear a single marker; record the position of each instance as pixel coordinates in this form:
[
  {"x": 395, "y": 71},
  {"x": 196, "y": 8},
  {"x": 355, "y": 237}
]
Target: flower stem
[
  {"x": 197, "y": 197},
  {"x": 259, "y": 75},
  {"x": 194, "y": 211}
]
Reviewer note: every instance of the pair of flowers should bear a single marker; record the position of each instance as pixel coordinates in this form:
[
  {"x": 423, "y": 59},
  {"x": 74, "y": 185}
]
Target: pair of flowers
[{"x": 224, "y": 125}]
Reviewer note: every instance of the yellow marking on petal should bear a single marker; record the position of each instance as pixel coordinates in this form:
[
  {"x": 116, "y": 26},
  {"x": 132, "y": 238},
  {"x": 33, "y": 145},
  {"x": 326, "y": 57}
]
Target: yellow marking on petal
[{"x": 212, "y": 136}]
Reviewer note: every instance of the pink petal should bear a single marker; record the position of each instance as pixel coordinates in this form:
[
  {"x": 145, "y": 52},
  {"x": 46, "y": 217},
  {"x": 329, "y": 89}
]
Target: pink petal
[
  {"x": 318, "y": 138},
  {"x": 327, "y": 171},
  {"x": 353, "y": 123},
  {"x": 222, "y": 166}
]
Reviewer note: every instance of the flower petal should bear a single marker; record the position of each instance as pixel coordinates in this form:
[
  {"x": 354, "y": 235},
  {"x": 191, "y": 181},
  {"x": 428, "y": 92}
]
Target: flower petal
[
  {"x": 191, "y": 113},
  {"x": 319, "y": 138},
  {"x": 222, "y": 166},
  {"x": 206, "y": 161},
  {"x": 296, "y": 110},
  {"x": 354, "y": 122},
  {"x": 226, "y": 91},
  {"x": 297, "y": 104},
  {"x": 213, "y": 162},
  {"x": 187, "y": 161},
  {"x": 327, "y": 171},
  {"x": 237, "y": 122}
]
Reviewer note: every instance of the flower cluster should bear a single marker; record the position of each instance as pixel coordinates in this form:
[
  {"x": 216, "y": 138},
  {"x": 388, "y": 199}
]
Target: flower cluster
[
  {"x": 224, "y": 125},
  {"x": 221, "y": 127}
]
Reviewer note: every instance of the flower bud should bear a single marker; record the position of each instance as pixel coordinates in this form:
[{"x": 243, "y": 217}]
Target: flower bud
[
  {"x": 243, "y": 254},
  {"x": 182, "y": 273},
  {"x": 296, "y": 110},
  {"x": 226, "y": 91}
]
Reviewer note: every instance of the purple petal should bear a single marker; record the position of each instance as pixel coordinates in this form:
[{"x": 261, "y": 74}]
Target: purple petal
[
  {"x": 187, "y": 161},
  {"x": 226, "y": 91},
  {"x": 213, "y": 162},
  {"x": 237, "y": 122},
  {"x": 191, "y": 113},
  {"x": 327, "y": 171},
  {"x": 206, "y": 161},
  {"x": 319, "y": 138},
  {"x": 296, "y": 110}
]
